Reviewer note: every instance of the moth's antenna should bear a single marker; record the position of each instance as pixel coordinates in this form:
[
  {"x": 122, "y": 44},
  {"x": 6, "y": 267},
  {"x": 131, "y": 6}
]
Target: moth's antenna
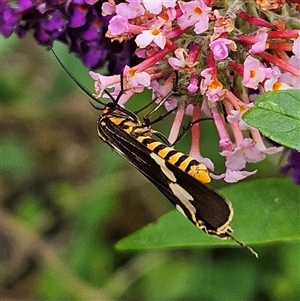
[
  {"x": 244, "y": 246},
  {"x": 122, "y": 91},
  {"x": 79, "y": 84}
]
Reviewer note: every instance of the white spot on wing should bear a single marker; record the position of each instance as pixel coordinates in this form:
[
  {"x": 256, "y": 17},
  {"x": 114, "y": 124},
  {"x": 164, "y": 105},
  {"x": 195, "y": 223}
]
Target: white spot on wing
[
  {"x": 180, "y": 210},
  {"x": 180, "y": 192},
  {"x": 185, "y": 198},
  {"x": 162, "y": 164}
]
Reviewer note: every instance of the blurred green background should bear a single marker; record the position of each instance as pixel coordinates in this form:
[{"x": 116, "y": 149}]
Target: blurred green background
[{"x": 67, "y": 198}]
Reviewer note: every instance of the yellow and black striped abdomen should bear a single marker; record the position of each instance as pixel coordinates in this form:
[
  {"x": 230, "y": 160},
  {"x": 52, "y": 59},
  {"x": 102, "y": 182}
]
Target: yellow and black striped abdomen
[
  {"x": 131, "y": 127},
  {"x": 183, "y": 162}
]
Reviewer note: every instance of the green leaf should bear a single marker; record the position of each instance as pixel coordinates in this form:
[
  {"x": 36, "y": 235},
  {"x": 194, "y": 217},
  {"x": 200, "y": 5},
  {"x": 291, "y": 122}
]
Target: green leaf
[
  {"x": 277, "y": 116},
  {"x": 265, "y": 211}
]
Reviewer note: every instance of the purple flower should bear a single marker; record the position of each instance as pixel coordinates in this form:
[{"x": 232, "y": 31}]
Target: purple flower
[
  {"x": 78, "y": 24},
  {"x": 292, "y": 168},
  {"x": 8, "y": 20}
]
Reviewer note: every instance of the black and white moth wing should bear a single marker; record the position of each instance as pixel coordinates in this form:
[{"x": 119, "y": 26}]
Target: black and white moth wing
[{"x": 201, "y": 205}]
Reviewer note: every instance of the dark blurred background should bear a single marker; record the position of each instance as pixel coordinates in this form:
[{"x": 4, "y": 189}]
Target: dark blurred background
[{"x": 67, "y": 198}]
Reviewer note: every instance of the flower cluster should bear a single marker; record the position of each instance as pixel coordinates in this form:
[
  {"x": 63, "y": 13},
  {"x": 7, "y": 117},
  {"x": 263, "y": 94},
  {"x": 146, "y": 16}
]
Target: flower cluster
[
  {"x": 77, "y": 23},
  {"x": 220, "y": 54},
  {"x": 222, "y": 57}
]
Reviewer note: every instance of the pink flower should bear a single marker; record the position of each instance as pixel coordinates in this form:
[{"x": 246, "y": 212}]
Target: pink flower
[
  {"x": 181, "y": 60},
  {"x": 245, "y": 152},
  {"x": 154, "y": 35},
  {"x": 103, "y": 82},
  {"x": 136, "y": 80},
  {"x": 130, "y": 10},
  {"x": 118, "y": 25},
  {"x": 254, "y": 72},
  {"x": 225, "y": 143},
  {"x": 235, "y": 116},
  {"x": 248, "y": 151},
  {"x": 233, "y": 176},
  {"x": 108, "y": 8},
  {"x": 220, "y": 46},
  {"x": 290, "y": 79},
  {"x": 296, "y": 47},
  {"x": 260, "y": 45},
  {"x": 193, "y": 86},
  {"x": 237, "y": 159},
  {"x": 211, "y": 86},
  {"x": 272, "y": 83},
  {"x": 194, "y": 13},
  {"x": 155, "y": 7}
]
